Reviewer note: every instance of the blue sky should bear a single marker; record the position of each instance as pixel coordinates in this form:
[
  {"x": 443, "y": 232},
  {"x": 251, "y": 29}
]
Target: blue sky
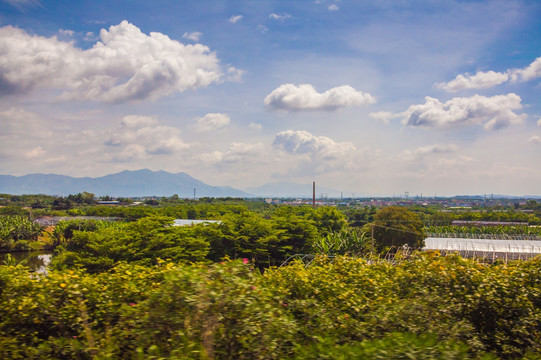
[{"x": 371, "y": 97}]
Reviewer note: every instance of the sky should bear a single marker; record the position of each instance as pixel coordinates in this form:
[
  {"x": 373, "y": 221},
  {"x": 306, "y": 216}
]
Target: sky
[{"x": 371, "y": 98}]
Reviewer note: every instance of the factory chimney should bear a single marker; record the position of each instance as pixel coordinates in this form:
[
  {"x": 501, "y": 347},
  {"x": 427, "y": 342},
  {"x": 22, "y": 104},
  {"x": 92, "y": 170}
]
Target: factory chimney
[{"x": 314, "y": 194}]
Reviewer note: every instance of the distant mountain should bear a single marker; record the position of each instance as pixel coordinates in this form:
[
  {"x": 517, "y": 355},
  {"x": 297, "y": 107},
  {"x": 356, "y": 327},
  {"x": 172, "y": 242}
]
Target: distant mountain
[
  {"x": 293, "y": 190},
  {"x": 125, "y": 184}
]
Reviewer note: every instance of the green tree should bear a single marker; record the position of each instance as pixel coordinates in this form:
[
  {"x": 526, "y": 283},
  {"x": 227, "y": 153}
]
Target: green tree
[
  {"x": 396, "y": 226},
  {"x": 141, "y": 242},
  {"x": 328, "y": 220}
]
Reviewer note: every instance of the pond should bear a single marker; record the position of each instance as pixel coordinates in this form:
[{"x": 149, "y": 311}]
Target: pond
[{"x": 36, "y": 260}]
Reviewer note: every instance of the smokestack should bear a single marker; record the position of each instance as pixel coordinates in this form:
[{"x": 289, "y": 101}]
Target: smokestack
[{"x": 314, "y": 194}]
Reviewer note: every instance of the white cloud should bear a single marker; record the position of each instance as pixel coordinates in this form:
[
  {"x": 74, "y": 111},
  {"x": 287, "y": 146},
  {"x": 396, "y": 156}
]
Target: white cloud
[
  {"x": 194, "y": 36},
  {"x": 539, "y": 122},
  {"x": 301, "y": 142},
  {"x": 531, "y": 72},
  {"x": 262, "y": 28},
  {"x": 67, "y": 33},
  {"x": 139, "y": 137},
  {"x": 445, "y": 164},
  {"x": 235, "y": 18},
  {"x": 280, "y": 17},
  {"x": 240, "y": 152},
  {"x": 304, "y": 97},
  {"x": 492, "y": 112},
  {"x": 535, "y": 139},
  {"x": 481, "y": 80},
  {"x": 382, "y": 116},
  {"x": 237, "y": 153},
  {"x": 333, "y": 7},
  {"x": 125, "y": 65},
  {"x": 90, "y": 37},
  {"x": 212, "y": 121},
  {"x": 427, "y": 150},
  {"x": 234, "y": 74},
  {"x": 255, "y": 126},
  {"x": 310, "y": 154},
  {"x": 35, "y": 152}
]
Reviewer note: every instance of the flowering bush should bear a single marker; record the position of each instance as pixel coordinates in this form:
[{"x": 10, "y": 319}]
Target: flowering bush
[{"x": 427, "y": 305}]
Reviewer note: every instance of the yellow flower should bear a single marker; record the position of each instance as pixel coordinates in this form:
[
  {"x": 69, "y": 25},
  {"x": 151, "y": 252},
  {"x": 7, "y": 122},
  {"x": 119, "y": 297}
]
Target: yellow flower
[{"x": 62, "y": 285}]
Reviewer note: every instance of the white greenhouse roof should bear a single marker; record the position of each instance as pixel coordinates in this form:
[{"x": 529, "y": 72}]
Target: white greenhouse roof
[{"x": 483, "y": 245}]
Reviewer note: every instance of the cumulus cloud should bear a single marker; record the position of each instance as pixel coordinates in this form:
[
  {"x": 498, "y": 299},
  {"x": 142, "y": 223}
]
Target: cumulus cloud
[
  {"x": 382, "y": 116},
  {"x": 492, "y": 112},
  {"x": 280, "y": 17},
  {"x": 427, "y": 150},
  {"x": 312, "y": 154},
  {"x": 304, "y": 97},
  {"x": 531, "y": 72},
  {"x": 483, "y": 80},
  {"x": 125, "y": 65},
  {"x": 301, "y": 142},
  {"x": 194, "y": 36},
  {"x": 539, "y": 122},
  {"x": 535, "y": 139},
  {"x": 212, "y": 121},
  {"x": 139, "y": 137},
  {"x": 333, "y": 7},
  {"x": 235, "y": 18}
]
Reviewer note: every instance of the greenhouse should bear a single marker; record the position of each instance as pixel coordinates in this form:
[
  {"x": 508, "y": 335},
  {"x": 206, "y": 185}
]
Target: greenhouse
[{"x": 508, "y": 249}]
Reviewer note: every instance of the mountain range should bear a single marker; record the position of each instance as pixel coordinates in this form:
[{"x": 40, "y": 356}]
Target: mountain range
[
  {"x": 123, "y": 184},
  {"x": 145, "y": 182}
]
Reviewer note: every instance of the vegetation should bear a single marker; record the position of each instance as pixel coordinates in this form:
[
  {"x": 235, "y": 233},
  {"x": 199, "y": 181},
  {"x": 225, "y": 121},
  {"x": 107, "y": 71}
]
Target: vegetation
[
  {"x": 496, "y": 230},
  {"x": 395, "y": 227},
  {"x": 424, "y": 307},
  {"x": 140, "y": 287},
  {"x": 16, "y": 232}
]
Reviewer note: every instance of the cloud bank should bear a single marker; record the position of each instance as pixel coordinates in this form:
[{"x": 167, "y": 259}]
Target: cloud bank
[
  {"x": 291, "y": 97},
  {"x": 125, "y": 65}
]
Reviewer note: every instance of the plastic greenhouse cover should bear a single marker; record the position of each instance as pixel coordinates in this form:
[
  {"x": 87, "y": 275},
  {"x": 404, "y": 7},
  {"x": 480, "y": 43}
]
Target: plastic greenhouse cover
[{"x": 485, "y": 245}]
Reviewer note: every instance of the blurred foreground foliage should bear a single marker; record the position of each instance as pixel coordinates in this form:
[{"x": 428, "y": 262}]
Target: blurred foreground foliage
[{"x": 424, "y": 307}]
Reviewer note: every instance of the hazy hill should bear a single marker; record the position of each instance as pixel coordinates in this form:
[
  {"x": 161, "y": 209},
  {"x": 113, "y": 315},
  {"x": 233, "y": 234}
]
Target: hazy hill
[{"x": 125, "y": 183}]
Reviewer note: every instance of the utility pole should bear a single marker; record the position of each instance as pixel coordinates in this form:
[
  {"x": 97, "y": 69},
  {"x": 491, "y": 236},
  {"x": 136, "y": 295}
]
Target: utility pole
[{"x": 194, "y": 189}]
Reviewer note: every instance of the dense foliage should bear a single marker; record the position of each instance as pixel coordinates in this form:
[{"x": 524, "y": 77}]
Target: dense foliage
[
  {"x": 140, "y": 242},
  {"x": 424, "y": 307},
  {"x": 97, "y": 246},
  {"x": 16, "y": 231},
  {"x": 396, "y": 226}
]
